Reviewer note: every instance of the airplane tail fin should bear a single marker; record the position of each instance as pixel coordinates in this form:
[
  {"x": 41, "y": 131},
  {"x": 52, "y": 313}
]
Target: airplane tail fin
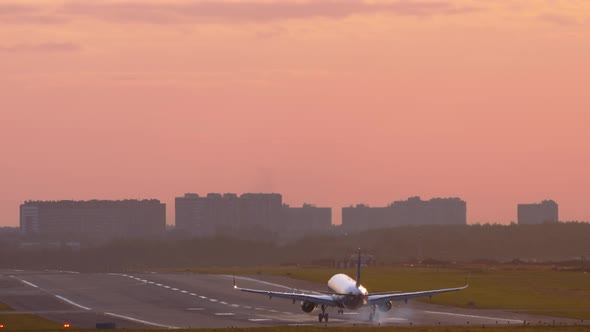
[{"x": 358, "y": 270}]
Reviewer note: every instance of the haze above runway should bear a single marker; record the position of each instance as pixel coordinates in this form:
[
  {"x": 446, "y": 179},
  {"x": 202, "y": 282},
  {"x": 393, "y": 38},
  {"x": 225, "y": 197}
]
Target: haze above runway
[{"x": 170, "y": 300}]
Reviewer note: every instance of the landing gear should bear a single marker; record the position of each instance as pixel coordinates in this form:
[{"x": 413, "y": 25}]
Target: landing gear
[
  {"x": 323, "y": 316},
  {"x": 341, "y": 311}
]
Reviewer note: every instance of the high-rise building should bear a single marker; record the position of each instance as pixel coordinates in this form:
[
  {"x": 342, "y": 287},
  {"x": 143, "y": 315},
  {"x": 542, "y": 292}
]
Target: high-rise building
[
  {"x": 306, "y": 220},
  {"x": 207, "y": 216},
  {"x": 95, "y": 220},
  {"x": 260, "y": 211},
  {"x": 545, "y": 212},
  {"x": 218, "y": 214},
  {"x": 414, "y": 211}
]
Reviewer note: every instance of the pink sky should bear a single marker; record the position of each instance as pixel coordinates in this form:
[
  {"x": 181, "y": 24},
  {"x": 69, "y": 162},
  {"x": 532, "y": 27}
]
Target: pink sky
[{"x": 327, "y": 102}]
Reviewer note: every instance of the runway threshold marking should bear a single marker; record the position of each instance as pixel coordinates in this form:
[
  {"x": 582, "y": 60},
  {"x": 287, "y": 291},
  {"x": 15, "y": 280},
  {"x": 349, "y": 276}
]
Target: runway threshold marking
[
  {"x": 474, "y": 316},
  {"x": 139, "y": 320},
  {"x": 224, "y": 314},
  {"x": 72, "y": 302}
]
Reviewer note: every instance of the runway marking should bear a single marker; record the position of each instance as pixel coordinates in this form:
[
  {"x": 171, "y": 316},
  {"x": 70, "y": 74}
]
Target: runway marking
[
  {"x": 272, "y": 310},
  {"x": 183, "y": 291},
  {"x": 248, "y": 307},
  {"x": 259, "y": 319},
  {"x": 474, "y": 316},
  {"x": 213, "y": 300},
  {"x": 351, "y": 313},
  {"x": 139, "y": 320},
  {"x": 195, "y": 309},
  {"x": 174, "y": 289},
  {"x": 272, "y": 284},
  {"x": 236, "y": 305},
  {"x": 151, "y": 282},
  {"x": 396, "y": 319},
  {"x": 223, "y": 302},
  {"x": 286, "y": 313},
  {"x": 26, "y": 282},
  {"x": 167, "y": 287},
  {"x": 225, "y": 314},
  {"x": 203, "y": 297},
  {"x": 159, "y": 285},
  {"x": 258, "y": 308},
  {"x": 298, "y": 324},
  {"x": 193, "y": 294},
  {"x": 72, "y": 302}
]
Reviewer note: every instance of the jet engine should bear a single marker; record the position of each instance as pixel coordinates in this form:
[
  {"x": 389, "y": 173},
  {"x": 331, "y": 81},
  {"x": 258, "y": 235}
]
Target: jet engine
[
  {"x": 307, "y": 306},
  {"x": 385, "y": 306}
]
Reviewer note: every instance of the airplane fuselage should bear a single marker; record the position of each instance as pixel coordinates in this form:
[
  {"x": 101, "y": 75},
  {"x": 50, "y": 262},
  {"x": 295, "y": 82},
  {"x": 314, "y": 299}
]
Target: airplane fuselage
[{"x": 347, "y": 292}]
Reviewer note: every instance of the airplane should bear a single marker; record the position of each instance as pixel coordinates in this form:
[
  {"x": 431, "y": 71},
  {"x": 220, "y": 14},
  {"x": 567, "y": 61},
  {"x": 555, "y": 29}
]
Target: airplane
[{"x": 347, "y": 293}]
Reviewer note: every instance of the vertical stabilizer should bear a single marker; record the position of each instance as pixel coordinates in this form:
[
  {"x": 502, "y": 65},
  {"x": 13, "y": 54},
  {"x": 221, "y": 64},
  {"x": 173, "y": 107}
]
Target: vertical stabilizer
[{"x": 358, "y": 270}]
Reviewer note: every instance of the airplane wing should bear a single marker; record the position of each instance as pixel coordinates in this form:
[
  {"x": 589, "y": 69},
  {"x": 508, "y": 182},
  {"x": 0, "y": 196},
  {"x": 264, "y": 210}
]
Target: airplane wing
[
  {"x": 377, "y": 299},
  {"x": 327, "y": 300}
]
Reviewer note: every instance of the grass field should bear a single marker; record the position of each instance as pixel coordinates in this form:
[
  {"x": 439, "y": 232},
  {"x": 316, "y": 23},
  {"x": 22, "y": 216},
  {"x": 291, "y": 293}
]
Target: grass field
[
  {"x": 20, "y": 322},
  {"x": 4, "y": 307},
  {"x": 537, "y": 291}
]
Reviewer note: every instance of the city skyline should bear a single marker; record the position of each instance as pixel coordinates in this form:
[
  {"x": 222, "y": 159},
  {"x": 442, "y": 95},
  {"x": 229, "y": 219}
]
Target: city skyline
[
  {"x": 456, "y": 217},
  {"x": 329, "y": 102}
]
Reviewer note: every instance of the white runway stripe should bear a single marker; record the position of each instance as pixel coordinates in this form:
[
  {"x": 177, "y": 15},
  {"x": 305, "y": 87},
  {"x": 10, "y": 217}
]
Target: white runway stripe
[
  {"x": 72, "y": 302},
  {"x": 139, "y": 320},
  {"x": 474, "y": 316},
  {"x": 28, "y": 283}
]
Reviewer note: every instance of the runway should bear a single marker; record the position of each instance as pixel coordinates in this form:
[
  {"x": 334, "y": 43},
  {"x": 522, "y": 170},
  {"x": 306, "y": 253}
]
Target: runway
[{"x": 181, "y": 300}]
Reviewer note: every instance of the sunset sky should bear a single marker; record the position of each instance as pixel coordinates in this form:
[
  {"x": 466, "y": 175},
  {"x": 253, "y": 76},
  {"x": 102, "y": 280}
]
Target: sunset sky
[{"x": 327, "y": 102}]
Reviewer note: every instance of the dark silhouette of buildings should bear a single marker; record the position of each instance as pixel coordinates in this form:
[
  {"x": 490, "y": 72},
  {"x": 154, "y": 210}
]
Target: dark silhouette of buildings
[
  {"x": 544, "y": 213},
  {"x": 95, "y": 220},
  {"x": 414, "y": 211},
  {"x": 228, "y": 214}
]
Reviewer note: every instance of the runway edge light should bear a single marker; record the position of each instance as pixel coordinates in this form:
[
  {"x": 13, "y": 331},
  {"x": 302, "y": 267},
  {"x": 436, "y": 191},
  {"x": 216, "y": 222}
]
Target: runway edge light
[
  {"x": 66, "y": 325},
  {"x": 1, "y": 326}
]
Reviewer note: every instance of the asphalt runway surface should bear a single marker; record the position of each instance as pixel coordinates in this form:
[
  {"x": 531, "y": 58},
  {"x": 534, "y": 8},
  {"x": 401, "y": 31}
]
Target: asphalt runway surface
[{"x": 182, "y": 300}]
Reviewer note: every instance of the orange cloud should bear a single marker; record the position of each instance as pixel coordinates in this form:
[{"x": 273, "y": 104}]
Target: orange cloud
[
  {"x": 41, "y": 48},
  {"x": 28, "y": 14},
  {"x": 252, "y": 11}
]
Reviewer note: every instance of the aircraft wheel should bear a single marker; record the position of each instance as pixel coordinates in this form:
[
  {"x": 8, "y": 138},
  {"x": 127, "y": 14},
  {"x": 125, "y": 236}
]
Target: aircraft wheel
[
  {"x": 320, "y": 317},
  {"x": 371, "y": 316},
  {"x": 326, "y": 317}
]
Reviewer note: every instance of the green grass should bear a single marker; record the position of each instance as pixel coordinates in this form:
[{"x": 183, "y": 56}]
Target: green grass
[
  {"x": 4, "y": 307},
  {"x": 20, "y": 322},
  {"x": 399, "y": 329},
  {"x": 537, "y": 291}
]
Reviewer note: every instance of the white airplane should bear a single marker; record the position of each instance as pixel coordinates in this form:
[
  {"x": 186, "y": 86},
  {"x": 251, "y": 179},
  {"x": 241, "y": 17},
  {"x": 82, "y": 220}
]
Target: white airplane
[{"x": 347, "y": 293}]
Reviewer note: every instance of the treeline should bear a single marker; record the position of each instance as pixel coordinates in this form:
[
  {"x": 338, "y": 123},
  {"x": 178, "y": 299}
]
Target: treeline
[{"x": 501, "y": 243}]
